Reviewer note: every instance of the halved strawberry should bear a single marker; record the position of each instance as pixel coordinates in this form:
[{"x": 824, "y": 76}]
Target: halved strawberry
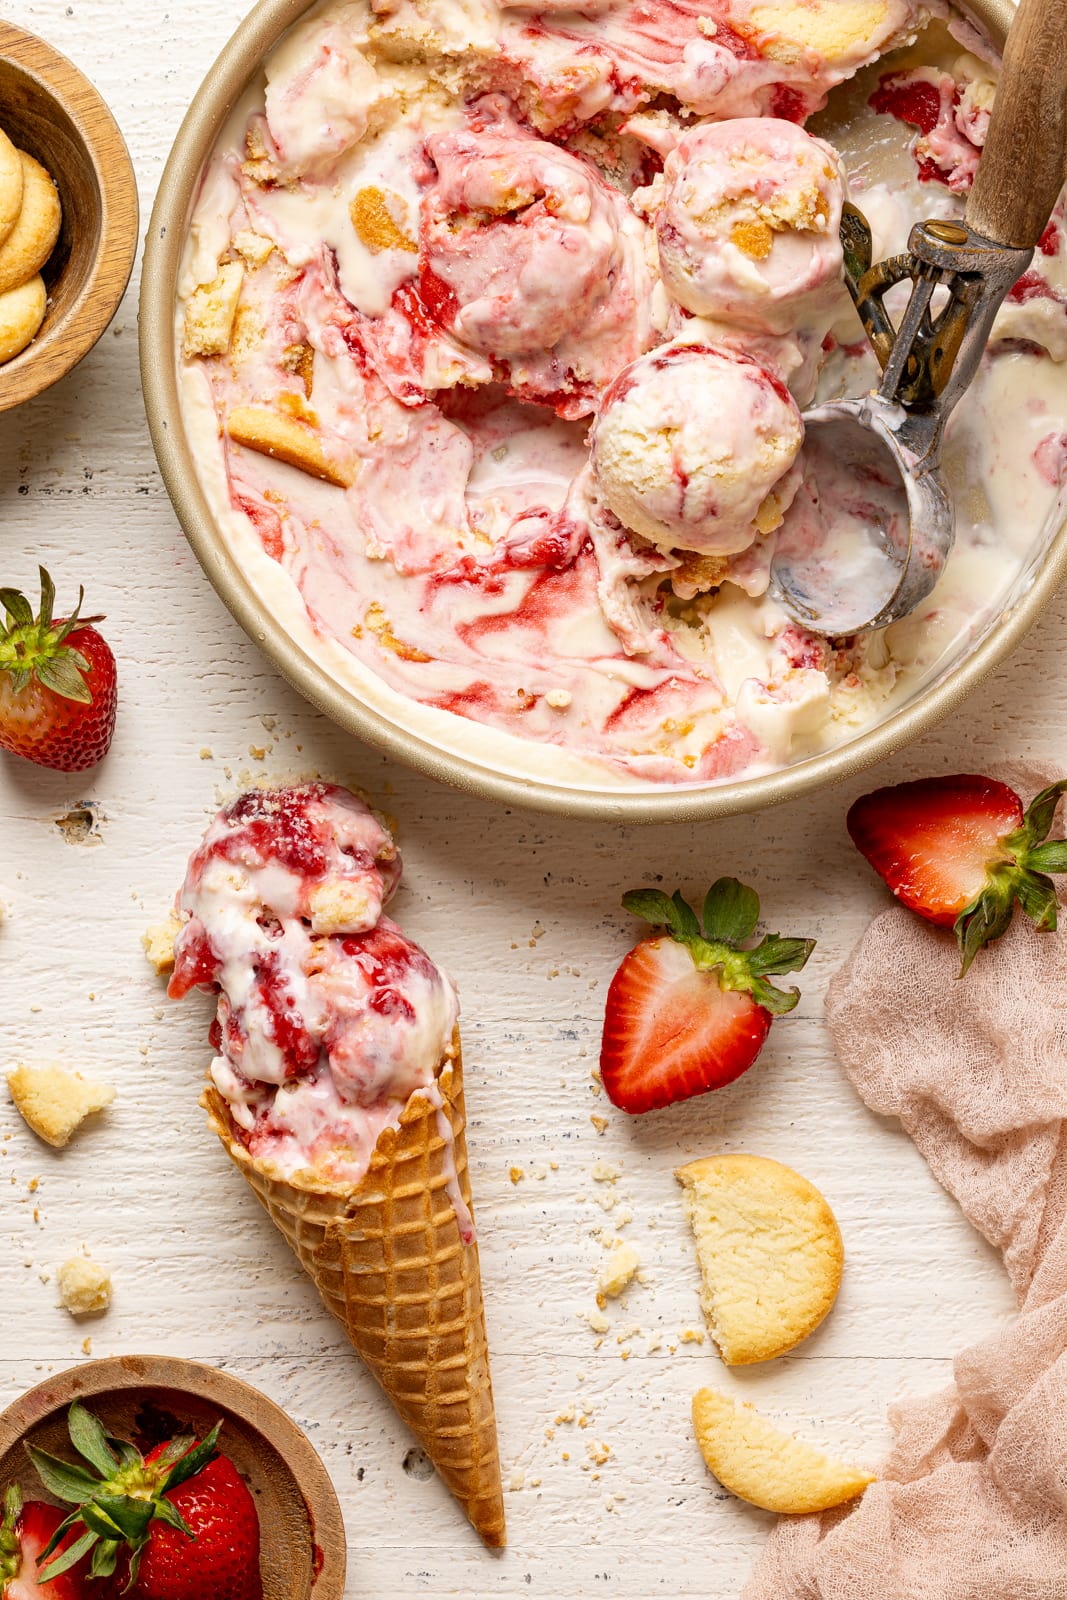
[
  {"x": 960, "y": 851},
  {"x": 25, "y": 1533},
  {"x": 689, "y": 1011}
]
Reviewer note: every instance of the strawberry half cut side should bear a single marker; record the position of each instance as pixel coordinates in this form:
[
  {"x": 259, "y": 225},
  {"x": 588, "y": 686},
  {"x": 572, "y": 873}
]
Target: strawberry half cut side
[
  {"x": 689, "y": 1011},
  {"x": 25, "y": 1531},
  {"x": 960, "y": 852},
  {"x": 117, "y": 1503}
]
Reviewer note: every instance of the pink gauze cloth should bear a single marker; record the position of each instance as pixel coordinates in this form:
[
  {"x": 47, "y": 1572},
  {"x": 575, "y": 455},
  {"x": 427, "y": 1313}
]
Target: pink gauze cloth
[{"x": 972, "y": 1500}]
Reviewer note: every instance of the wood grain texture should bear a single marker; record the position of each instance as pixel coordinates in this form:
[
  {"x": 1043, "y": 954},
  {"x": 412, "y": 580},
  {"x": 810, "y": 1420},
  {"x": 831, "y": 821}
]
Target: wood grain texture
[
  {"x": 524, "y": 912},
  {"x": 51, "y": 110},
  {"x": 1024, "y": 160}
]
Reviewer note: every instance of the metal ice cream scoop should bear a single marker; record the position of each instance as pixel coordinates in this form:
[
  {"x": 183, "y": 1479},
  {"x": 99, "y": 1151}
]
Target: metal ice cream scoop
[{"x": 869, "y": 541}]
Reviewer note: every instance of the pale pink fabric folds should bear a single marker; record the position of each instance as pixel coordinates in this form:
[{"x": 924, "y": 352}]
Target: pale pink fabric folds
[{"x": 972, "y": 1500}]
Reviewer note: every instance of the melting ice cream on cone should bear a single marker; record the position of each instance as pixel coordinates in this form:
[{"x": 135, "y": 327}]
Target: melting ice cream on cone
[{"x": 337, "y": 1091}]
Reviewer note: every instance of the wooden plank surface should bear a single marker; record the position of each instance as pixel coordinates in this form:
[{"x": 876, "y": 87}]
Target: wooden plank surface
[{"x": 524, "y": 912}]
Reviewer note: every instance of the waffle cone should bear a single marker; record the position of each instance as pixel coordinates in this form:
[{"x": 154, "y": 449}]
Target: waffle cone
[{"x": 388, "y": 1258}]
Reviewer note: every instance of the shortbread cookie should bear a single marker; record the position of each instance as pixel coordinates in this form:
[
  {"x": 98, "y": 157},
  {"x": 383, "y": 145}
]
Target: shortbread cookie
[
  {"x": 774, "y": 1470},
  {"x": 10, "y": 186},
  {"x": 287, "y": 439},
  {"x": 33, "y": 238},
  {"x": 769, "y": 1250},
  {"x": 55, "y": 1102},
  {"x": 210, "y": 312},
  {"x": 21, "y": 313}
]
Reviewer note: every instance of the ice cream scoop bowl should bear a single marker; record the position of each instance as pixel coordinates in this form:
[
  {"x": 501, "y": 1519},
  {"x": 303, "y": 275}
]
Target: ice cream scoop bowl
[{"x": 869, "y": 535}]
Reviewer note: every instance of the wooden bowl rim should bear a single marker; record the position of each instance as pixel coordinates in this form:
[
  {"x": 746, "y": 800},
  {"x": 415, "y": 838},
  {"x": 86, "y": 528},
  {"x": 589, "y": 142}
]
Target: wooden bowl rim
[
  {"x": 89, "y": 314},
  {"x": 90, "y": 1378}
]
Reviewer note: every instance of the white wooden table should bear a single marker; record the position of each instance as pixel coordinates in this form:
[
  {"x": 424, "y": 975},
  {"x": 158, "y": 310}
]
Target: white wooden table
[{"x": 525, "y": 913}]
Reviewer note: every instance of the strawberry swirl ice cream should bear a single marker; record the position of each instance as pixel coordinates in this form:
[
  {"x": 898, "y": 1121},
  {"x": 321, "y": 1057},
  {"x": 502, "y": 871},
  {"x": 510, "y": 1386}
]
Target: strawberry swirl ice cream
[
  {"x": 329, "y": 1019},
  {"x": 543, "y": 262},
  {"x": 495, "y": 325},
  {"x": 748, "y": 230}
]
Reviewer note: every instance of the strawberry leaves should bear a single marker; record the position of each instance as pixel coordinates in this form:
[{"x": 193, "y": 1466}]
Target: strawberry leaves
[
  {"x": 961, "y": 853},
  {"x": 1022, "y": 876},
  {"x": 117, "y": 1503},
  {"x": 9, "y": 1539},
  {"x": 36, "y": 647},
  {"x": 731, "y": 911}
]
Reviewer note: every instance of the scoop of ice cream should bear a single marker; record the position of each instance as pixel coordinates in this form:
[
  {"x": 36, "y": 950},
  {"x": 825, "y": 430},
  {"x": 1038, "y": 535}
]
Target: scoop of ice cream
[
  {"x": 535, "y": 253},
  {"x": 748, "y": 231},
  {"x": 328, "y": 1017},
  {"x": 694, "y": 449},
  {"x": 313, "y": 852}
]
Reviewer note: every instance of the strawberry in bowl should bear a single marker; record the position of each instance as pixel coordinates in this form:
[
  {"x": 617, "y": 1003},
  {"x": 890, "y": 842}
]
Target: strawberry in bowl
[
  {"x": 960, "y": 851},
  {"x": 690, "y": 1009},
  {"x": 28, "y": 1529},
  {"x": 176, "y": 1524}
]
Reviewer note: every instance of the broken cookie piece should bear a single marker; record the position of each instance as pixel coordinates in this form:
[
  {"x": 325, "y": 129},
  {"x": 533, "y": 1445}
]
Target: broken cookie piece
[
  {"x": 297, "y": 443},
  {"x": 774, "y": 1470},
  {"x": 769, "y": 1250},
  {"x": 84, "y": 1286},
  {"x": 210, "y": 312},
  {"x": 54, "y": 1102},
  {"x": 158, "y": 944}
]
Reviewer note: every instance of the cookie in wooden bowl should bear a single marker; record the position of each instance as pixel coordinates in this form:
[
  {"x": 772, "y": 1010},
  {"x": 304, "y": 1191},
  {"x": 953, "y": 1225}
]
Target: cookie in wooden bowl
[
  {"x": 52, "y": 115},
  {"x": 770, "y": 1253}
]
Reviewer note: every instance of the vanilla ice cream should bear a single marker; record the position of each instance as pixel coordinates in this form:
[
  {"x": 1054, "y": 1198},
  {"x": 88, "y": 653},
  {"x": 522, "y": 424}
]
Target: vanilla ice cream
[{"x": 693, "y": 449}]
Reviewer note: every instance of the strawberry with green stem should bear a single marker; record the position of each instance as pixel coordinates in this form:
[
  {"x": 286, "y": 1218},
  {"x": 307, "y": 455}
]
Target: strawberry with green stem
[
  {"x": 961, "y": 851},
  {"x": 690, "y": 1010},
  {"x": 177, "y": 1524},
  {"x": 58, "y": 688}
]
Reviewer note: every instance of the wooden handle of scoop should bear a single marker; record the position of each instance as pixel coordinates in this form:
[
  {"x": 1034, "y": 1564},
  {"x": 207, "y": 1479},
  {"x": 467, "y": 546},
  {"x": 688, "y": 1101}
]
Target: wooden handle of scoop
[{"x": 1024, "y": 162}]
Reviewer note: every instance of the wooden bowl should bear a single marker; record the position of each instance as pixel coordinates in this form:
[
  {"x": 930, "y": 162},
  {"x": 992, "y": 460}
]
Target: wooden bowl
[
  {"x": 50, "y": 110},
  {"x": 148, "y": 1398}
]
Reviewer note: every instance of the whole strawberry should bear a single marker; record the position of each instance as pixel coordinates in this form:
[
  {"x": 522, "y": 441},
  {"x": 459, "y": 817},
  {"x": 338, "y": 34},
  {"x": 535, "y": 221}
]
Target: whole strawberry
[
  {"x": 58, "y": 691},
  {"x": 689, "y": 1011},
  {"x": 960, "y": 851},
  {"x": 25, "y": 1532},
  {"x": 177, "y": 1524}
]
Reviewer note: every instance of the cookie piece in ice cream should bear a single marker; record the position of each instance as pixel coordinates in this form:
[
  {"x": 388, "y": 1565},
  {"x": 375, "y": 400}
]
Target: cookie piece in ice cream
[
  {"x": 748, "y": 233},
  {"x": 54, "y": 1102},
  {"x": 210, "y": 312},
  {"x": 694, "y": 449},
  {"x": 758, "y": 1463},
  {"x": 290, "y": 439},
  {"x": 770, "y": 1253}
]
